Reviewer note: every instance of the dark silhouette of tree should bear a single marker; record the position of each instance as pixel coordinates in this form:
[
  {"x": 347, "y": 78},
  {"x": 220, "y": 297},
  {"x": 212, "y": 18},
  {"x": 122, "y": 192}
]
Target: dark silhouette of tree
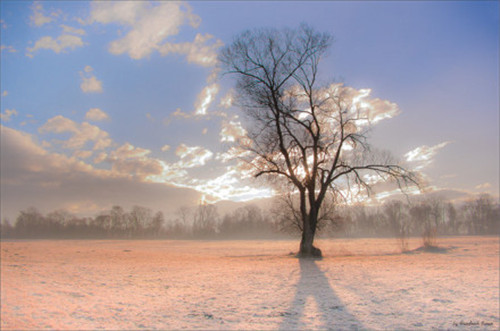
[
  {"x": 481, "y": 216},
  {"x": 451, "y": 213},
  {"x": 30, "y": 223},
  {"x": 307, "y": 137},
  {"x": 157, "y": 224},
  {"x": 422, "y": 215},
  {"x": 6, "y": 229},
  {"x": 399, "y": 221},
  {"x": 206, "y": 220},
  {"x": 246, "y": 222}
]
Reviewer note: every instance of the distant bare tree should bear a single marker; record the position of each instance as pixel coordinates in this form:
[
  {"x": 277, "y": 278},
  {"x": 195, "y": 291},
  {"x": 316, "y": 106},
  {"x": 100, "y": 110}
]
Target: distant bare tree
[
  {"x": 451, "y": 213},
  {"x": 30, "y": 223},
  {"x": 182, "y": 223},
  {"x": 205, "y": 220},
  {"x": 304, "y": 134},
  {"x": 157, "y": 224},
  {"x": 139, "y": 219},
  {"x": 481, "y": 215},
  {"x": 395, "y": 213},
  {"x": 423, "y": 215}
]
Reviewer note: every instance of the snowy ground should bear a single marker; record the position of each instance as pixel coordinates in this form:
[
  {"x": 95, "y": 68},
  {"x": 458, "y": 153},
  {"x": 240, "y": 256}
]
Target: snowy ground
[{"x": 361, "y": 284}]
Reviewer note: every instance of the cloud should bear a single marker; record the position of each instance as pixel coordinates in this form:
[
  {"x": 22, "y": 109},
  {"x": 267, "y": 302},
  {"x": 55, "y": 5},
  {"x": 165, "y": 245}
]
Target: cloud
[
  {"x": 5, "y": 93},
  {"x": 38, "y": 18},
  {"x": 101, "y": 157},
  {"x": 61, "y": 44},
  {"x": 229, "y": 186},
  {"x": 227, "y": 100},
  {"x": 205, "y": 98},
  {"x": 133, "y": 161},
  {"x": 231, "y": 154},
  {"x": 232, "y": 131},
  {"x": 5, "y": 117},
  {"x": 368, "y": 110},
  {"x": 95, "y": 114},
  {"x": 8, "y": 48},
  {"x": 72, "y": 30},
  {"x": 422, "y": 156},
  {"x": 81, "y": 133},
  {"x": 483, "y": 186},
  {"x": 202, "y": 51},
  {"x": 192, "y": 157},
  {"x": 149, "y": 24},
  {"x": 32, "y": 176},
  {"x": 165, "y": 148},
  {"x": 83, "y": 154},
  {"x": 90, "y": 84}
]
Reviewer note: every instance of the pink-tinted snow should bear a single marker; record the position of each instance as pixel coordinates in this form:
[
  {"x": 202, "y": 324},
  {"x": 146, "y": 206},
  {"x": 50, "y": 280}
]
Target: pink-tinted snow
[{"x": 360, "y": 284}]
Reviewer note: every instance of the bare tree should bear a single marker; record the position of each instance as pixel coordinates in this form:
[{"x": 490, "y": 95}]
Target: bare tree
[
  {"x": 396, "y": 214},
  {"x": 308, "y": 135},
  {"x": 205, "y": 220},
  {"x": 422, "y": 215}
]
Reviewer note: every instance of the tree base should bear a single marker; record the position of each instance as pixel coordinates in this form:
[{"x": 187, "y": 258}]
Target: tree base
[{"x": 314, "y": 252}]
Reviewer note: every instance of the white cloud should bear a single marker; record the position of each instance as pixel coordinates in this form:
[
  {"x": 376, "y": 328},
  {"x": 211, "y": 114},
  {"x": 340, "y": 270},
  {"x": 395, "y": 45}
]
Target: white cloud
[
  {"x": 101, "y": 157},
  {"x": 72, "y": 30},
  {"x": 95, "y": 114},
  {"x": 90, "y": 84},
  {"x": 202, "y": 51},
  {"x": 38, "y": 18},
  {"x": 368, "y": 110},
  {"x": 233, "y": 153},
  {"x": 227, "y": 100},
  {"x": 123, "y": 12},
  {"x": 229, "y": 186},
  {"x": 129, "y": 151},
  {"x": 192, "y": 157},
  {"x": 165, "y": 148},
  {"x": 232, "y": 131},
  {"x": 149, "y": 24},
  {"x": 83, "y": 154},
  {"x": 135, "y": 162},
  {"x": 81, "y": 133},
  {"x": 5, "y": 117},
  {"x": 205, "y": 98},
  {"x": 483, "y": 186},
  {"x": 8, "y": 48},
  {"x": 60, "y": 45},
  {"x": 33, "y": 176},
  {"x": 423, "y": 155}
]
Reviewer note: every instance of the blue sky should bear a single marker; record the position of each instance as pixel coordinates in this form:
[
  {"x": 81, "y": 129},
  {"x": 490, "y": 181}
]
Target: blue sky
[{"x": 119, "y": 103}]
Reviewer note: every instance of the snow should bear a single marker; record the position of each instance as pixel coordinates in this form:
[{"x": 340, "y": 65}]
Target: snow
[{"x": 360, "y": 284}]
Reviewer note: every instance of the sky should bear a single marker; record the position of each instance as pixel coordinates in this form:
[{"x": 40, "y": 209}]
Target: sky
[{"x": 122, "y": 103}]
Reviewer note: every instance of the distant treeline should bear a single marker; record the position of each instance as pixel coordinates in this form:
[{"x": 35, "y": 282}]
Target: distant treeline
[
  {"x": 202, "y": 222},
  {"x": 480, "y": 216}
]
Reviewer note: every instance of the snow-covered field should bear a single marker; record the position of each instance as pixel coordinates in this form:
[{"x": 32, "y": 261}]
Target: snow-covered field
[{"x": 360, "y": 284}]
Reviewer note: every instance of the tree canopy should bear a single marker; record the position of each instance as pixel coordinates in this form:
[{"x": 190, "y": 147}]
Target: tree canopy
[{"x": 303, "y": 132}]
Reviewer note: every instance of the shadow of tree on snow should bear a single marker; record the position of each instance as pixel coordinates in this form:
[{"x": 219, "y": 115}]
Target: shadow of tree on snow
[{"x": 329, "y": 308}]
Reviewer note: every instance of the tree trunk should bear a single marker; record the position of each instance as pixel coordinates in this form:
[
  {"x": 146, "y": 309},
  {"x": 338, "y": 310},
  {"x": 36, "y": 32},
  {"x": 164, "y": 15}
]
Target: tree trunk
[{"x": 307, "y": 248}]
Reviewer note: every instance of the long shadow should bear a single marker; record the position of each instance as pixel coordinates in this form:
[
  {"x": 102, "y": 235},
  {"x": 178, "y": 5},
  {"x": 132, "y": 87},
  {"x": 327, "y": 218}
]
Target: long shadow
[{"x": 329, "y": 308}]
